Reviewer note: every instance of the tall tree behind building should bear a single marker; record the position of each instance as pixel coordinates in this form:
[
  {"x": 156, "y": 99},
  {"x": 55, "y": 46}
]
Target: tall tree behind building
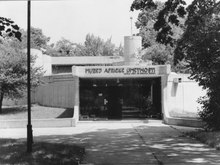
[
  {"x": 93, "y": 46},
  {"x": 38, "y": 39},
  {"x": 152, "y": 49}
]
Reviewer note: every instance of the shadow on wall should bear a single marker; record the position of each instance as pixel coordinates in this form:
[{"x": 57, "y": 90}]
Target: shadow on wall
[
  {"x": 68, "y": 113},
  {"x": 174, "y": 89}
]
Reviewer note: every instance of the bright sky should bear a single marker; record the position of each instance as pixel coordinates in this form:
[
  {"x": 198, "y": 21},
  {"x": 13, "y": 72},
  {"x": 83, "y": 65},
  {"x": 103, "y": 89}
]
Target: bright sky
[{"x": 73, "y": 19}]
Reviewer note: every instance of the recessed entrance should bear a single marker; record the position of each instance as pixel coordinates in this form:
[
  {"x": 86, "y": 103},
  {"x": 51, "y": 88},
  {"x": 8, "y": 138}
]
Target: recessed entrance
[{"x": 120, "y": 98}]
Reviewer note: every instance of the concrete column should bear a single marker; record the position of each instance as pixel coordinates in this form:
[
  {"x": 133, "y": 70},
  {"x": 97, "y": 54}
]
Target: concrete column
[
  {"x": 76, "y": 100},
  {"x": 132, "y": 46},
  {"x": 164, "y": 98}
]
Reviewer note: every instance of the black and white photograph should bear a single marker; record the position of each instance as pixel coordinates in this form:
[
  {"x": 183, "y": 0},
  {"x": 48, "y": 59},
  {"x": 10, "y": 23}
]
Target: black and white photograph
[{"x": 109, "y": 82}]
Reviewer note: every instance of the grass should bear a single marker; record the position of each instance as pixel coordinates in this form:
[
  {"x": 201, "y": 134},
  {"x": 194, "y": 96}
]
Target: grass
[
  {"x": 37, "y": 112},
  {"x": 14, "y": 152},
  {"x": 210, "y": 138}
]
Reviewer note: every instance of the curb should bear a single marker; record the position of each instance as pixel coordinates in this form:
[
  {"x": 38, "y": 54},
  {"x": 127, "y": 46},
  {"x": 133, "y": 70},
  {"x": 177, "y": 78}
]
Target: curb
[{"x": 38, "y": 123}]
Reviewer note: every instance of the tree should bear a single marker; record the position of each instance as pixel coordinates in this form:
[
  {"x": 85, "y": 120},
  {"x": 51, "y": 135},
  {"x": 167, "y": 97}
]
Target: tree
[
  {"x": 169, "y": 18},
  {"x": 93, "y": 46},
  {"x": 152, "y": 49},
  {"x": 199, "y": 47},
  {"x": 13, "y": 63},
  {"x": 65, "y": 47},
  {"x": 38, "y": 39},
  {"x": 145, "y": 21},
  {"x": 13, "y": 70},
  {"x": 9, "y": 29},
  {"x": 159, "y": 54}
]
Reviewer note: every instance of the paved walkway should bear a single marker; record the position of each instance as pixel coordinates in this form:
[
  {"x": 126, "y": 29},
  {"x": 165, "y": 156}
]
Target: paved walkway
[{"x": 121, "y": 143}]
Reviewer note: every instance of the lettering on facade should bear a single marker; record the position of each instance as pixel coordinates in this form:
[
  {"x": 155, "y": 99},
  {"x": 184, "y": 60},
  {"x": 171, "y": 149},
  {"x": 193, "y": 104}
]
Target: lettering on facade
[
  {"x": 93, "y": 71},
  {"x": 121, "y": 71}
]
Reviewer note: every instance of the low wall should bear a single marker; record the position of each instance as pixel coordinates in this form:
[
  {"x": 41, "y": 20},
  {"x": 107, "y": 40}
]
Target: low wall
[
  {"x": 185, "y": 122},
  {"x": 38, "y": 123},
  {"x": 56, "y": 91}
]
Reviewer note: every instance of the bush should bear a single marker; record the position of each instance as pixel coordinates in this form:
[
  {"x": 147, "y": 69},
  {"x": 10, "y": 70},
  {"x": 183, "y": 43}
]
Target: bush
[{"x": 210, "y": 112}]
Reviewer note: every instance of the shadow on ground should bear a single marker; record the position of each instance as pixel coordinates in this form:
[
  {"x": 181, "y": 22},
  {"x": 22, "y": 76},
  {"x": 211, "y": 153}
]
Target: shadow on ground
[
  {"x": 142, "y": 144},
  {"x": 114, "y": 146},
  {"x": 13, "y": 110},
  {"x": 14, "y": 152}
]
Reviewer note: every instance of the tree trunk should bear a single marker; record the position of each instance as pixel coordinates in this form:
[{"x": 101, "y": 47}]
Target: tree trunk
[{"x": 1, "y": 100}]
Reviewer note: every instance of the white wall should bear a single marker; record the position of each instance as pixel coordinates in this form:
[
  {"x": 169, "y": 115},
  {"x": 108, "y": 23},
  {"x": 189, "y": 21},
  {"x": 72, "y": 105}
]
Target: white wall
[
  {"x": 42, "y": 60},
  {"x": 47, "y": 64},
  {"x": 182, "y": 97}
]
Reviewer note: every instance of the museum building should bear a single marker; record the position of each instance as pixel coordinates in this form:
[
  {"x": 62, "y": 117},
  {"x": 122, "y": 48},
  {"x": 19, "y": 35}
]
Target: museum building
[{"x": 115, "y": 88}]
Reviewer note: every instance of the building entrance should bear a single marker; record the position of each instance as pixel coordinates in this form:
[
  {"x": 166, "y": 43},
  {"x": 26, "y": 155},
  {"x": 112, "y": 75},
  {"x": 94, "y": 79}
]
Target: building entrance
[
  {"x": 114, "y": 102},
  {"x": 120, "y": 98}
]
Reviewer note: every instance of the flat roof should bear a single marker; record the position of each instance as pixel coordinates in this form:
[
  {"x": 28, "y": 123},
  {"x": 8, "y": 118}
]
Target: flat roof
[{"x": 82, "y": 60}]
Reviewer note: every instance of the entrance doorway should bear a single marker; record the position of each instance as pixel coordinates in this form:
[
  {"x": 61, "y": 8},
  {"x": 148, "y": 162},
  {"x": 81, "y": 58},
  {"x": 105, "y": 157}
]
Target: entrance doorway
[
  {"x": 120, "y": 98},
  {"x": 114, "y": 104}
]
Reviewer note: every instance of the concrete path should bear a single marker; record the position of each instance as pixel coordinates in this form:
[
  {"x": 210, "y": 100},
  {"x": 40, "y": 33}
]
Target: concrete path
[{"x": 128, "y": 143}]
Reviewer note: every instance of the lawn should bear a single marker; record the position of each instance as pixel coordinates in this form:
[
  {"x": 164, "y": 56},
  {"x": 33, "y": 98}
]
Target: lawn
[
  {"x": 14, "y": 152},
  {"x": 37, "y": 112},
  {"x": 210, "y": 138}
]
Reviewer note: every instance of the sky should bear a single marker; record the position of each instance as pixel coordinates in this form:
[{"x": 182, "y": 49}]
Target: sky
[{"x": 73, "y": 19}]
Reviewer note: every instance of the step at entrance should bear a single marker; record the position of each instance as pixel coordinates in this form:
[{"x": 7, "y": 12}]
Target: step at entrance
[{"x": 130, "y": 112}]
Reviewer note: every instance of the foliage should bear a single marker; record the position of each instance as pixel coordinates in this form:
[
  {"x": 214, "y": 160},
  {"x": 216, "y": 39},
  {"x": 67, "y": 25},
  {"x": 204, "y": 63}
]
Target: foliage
[
  {"x": 199, "y": 47},
  {"x": 159, "y": 54},
  {"x": 64, "y": 47},
  {"x": 147, "y": 19},
  {"x": 145, "y": 22},
  {"x": 9, "y": 29},
  {"x": 38, "y": 39},
  {"x": 13, "y": 70},
  {"x": 211, "y": 138},
  {"x": 13, "y": 64},
  {"x": 93, "y": 46},
  {"x": 169, "y": 19},
  {"x": 164, "y": 17}
]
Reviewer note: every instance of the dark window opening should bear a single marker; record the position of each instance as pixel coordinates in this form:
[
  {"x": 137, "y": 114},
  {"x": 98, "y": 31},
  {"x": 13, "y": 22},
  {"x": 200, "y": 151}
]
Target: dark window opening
[{"x": 120, "y": 98}]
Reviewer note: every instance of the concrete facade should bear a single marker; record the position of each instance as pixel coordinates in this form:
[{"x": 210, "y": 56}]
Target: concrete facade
[
  {"x": 127, "y": 72},
  {"x": 183, "y": 94},
  {"x": 56, "y": 91},
  {"x": 178, "y": 93},
  {"x": 132, "y": 46}
]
